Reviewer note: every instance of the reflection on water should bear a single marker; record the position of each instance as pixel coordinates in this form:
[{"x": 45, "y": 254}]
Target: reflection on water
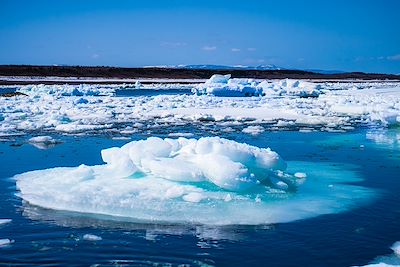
[
  {"x": 151, "y": 231},
  {"x": 385, "y": 137}
]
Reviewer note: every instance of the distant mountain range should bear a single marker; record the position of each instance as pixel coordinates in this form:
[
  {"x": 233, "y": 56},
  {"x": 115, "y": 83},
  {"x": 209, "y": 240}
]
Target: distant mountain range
[
  {"x": 227, "y": 67},
  {"x": 218, "y": 67},
  {"x": 241, "y": 67}
]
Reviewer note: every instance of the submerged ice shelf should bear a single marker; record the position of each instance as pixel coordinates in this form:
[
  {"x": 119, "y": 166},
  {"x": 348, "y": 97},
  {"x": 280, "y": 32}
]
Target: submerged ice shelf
[
  {"x": 95, "y": 108},
  {"x": 207, "y": 181}
]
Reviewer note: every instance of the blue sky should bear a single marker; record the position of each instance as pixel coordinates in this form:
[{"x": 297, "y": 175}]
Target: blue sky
[{"x": 333, "y": 35}]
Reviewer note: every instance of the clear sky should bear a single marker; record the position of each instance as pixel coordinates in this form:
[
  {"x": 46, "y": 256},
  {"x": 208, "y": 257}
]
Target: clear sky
[{"x": 332, "y": 35}]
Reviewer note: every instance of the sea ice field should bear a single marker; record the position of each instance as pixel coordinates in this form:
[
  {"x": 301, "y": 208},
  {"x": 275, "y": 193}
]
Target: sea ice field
[{"x": 186, "y": 174}]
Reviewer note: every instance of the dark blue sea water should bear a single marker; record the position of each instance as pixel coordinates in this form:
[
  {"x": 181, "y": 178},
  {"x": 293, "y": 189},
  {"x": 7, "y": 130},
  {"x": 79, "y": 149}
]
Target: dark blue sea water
[{"x": 354, "y": 237}]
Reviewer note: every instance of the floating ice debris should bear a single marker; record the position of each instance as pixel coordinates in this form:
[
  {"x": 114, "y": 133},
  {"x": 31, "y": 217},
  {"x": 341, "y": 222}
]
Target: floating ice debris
[
  {"x": 209, "y": 181},
  {"x": 90, "y": 237},
  {"x": 43, "y": 142},
  {"x": 300, "y": 175},
  {"x": 4, "y": 221},
  {"x": 253, "y": 130},
  {"x": 5, "y": 242}
]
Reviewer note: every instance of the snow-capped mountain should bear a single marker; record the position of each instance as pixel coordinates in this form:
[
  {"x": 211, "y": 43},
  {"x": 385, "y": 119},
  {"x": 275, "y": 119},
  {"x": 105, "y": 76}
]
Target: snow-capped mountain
[{"x": 220, "y": 67}]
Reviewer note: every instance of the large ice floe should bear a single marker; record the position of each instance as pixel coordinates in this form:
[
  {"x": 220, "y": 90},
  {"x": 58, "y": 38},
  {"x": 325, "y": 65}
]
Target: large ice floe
[
  {"x": 284, "y": 104},
  {"x": 208, "y": 181}
]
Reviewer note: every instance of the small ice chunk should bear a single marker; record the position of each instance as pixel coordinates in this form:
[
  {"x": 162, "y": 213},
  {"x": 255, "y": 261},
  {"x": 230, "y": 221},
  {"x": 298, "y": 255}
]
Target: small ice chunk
[
  {"x": 396, "y": 248},
  {"x": 4, "y": 221},
  {"x": 90, "y": 237},
  {"x": 282, "y": 185},
  {"x": 227, "y": 198},
  {"x": 300, "y": 175},
  {"x": 138, "y": 84},
  {"x": 253, "y": 130},
  {"x": 5, "y": 242}
]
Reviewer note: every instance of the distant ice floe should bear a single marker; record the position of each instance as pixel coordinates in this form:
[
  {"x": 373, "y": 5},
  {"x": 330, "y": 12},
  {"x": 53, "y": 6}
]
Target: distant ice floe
[
  {"x": 76, "y": 109},
  {"x": 208, "y": 181},
  {"x": 389, "y": 260},
  {"x": 223, "y": 85}
]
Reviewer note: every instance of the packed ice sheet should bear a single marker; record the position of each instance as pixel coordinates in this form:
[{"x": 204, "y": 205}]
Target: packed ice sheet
[
  {"x": 59, "y": 108},
  {"x": 208, "y": 181}
]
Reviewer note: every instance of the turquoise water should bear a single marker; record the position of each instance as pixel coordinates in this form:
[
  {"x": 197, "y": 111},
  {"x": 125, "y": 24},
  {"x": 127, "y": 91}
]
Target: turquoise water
[{"x": 352, "y": 237}]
